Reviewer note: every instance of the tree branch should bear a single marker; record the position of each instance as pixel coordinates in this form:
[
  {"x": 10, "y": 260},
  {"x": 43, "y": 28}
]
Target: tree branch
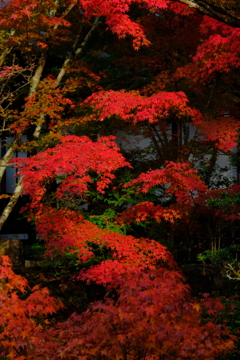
[{"x": 214, "y": 9}]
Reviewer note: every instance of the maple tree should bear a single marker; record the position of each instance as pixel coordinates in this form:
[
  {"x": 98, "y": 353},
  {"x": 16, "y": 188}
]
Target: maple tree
[
  {"x": 32, "y": 33},
  {"x": 47, "y": 85},
  {"x": 150, "y": 293},
  {"x": 205, "y": 71},
  {"x": 156, "y": 302}
]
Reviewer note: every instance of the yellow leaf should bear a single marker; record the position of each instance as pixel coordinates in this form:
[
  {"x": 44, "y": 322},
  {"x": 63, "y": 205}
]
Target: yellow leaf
[{"x": 197, "y": 307}]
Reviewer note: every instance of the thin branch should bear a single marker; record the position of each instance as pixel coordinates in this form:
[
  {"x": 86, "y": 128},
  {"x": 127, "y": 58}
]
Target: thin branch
[
  {"x": 7, "y": 49},
  {"x": 64, "y": 67},
  {"x": 76, "y": 52}
]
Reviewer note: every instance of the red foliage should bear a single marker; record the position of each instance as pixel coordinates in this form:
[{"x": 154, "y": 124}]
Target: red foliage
[
  {"x": 152, "y": 315},
  {"x": 66, "y": 230},
  {"x": 157, "y": 108},
  {"x": 220, "y": 130},
  {"x": 167, "y": 322},
  {"x": 71, "y": 162},
  {"x": 179, "y": 179},
  {"x": 22, "y": 321},
  {"x": 144, "y": 210},
  {"x": 132, "y": 106}
]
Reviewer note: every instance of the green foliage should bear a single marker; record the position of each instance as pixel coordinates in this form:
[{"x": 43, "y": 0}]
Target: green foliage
[
  {"x": 106, "y": 221},
  {"x": 225, "y": 201},
  {"x": 221, "y": 255}
]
